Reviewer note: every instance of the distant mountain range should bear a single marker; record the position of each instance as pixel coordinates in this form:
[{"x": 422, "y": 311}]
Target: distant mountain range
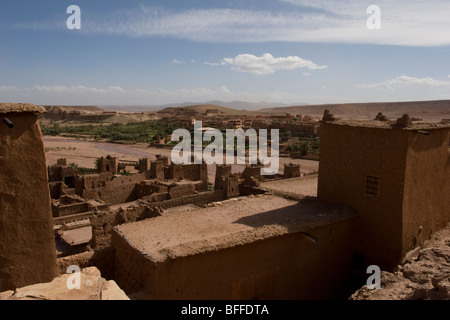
[{"x": 237, "y": 105}]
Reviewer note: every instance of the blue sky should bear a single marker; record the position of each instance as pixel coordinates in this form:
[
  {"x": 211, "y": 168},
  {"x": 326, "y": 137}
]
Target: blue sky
[{"x": 279, "y": 51}]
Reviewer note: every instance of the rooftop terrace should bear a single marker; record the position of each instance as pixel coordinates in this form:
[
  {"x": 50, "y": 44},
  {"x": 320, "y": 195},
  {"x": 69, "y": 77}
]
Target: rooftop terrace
[{"x": 227, "y": 224}]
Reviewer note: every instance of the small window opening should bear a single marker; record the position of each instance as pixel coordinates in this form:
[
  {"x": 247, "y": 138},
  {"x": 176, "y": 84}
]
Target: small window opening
[{"x": 372, "y": 186}]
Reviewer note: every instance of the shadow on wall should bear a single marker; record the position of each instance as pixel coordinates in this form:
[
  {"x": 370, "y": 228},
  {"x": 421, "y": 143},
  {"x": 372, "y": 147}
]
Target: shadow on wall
[{"x": 5, "y": 277}]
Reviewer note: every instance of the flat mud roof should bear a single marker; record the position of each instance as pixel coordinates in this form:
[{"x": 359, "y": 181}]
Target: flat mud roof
[
  {"x": 301, "y": 186},
  {"x": 227, "y": 224},
  {"x": 20, "y": 107}
]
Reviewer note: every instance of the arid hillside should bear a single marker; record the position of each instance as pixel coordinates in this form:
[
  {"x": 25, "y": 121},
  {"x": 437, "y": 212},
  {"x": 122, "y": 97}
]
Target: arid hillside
[
  {"x": 427, "y": 110},
  {"x": 91, "y": 114},
  {"x": 433, "y": 111}
]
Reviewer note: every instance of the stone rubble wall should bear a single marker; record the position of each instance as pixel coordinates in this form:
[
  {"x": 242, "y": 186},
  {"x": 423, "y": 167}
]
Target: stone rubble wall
[{"x": 423, "y": 275}]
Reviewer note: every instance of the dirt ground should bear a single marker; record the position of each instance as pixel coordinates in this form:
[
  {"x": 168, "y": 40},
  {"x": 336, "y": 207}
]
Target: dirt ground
[{"x": 84, "y": 153}]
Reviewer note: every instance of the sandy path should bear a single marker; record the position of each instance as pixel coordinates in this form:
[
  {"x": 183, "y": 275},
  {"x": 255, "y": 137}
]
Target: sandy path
[{"x": 83, "y": 153}]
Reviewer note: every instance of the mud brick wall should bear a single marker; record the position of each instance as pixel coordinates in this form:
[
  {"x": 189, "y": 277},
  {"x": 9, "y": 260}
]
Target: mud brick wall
[
  {"x": 198, "y": 199},
  {"x": 181, "y": 190},
  {"x": 145, "y": 189},
  {"x": 132, "y": 268},
  {"x": 70, "y": 209},
  {"x": 27, "y": 244},
  {"x": 283, "y": 267},
  {"x": 118, "y": 189},
  {"x": 291, "y": 171}
]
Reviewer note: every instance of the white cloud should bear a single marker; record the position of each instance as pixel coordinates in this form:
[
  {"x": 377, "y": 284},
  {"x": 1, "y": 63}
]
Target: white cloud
[
  {"x": 306, "y": 74},
  {"x": 75, "y": 89},
  {"x": 404, "y": 81},
  {"x": 267, "y": 64},
  {"x": 175, "y": 61}
]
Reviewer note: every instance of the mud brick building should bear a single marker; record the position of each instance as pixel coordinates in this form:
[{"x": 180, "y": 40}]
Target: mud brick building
[
  {"x": 396, "y": 175},
  {"x": 264, "y": 247}
]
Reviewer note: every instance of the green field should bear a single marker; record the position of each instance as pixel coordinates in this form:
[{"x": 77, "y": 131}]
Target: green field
[{"x": 128, "y": 133}]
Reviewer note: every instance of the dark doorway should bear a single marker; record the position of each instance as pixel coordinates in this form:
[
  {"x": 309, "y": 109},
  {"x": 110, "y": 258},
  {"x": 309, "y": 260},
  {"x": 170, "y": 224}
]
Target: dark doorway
[{"x": 70, "y": 182}]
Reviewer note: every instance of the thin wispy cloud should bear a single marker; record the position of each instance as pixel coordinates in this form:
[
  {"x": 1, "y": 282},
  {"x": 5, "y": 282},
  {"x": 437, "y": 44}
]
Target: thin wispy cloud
[
  {"x": 215, "y": 64},
  {"x": 406, "y": 81},
  {"x": 413, "y": 23},
  {"x": 59, "y": 89},
  {"x": 206, "y": 25},
  {"x": 410, "y": 23},
  {"x": 405, "y": 22}
]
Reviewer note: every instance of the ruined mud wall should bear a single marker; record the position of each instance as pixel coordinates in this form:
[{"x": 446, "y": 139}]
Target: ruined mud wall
[
  {"x": 55, "y": 189},
  {"x": 103, "y": 222},
  {"x": 285, "y": 267},
  {"x": 197, "y": 199},
  {"x": 196, "y": 172},
  {"x": 182, "y": 190},
  {"x": 291, "y": 171},
  {"x": 27, "y": 244},
  {"x": 114, "y": 190},
  {"x": 103, "y": 259},
  {"x": 146, "y": 189}
]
